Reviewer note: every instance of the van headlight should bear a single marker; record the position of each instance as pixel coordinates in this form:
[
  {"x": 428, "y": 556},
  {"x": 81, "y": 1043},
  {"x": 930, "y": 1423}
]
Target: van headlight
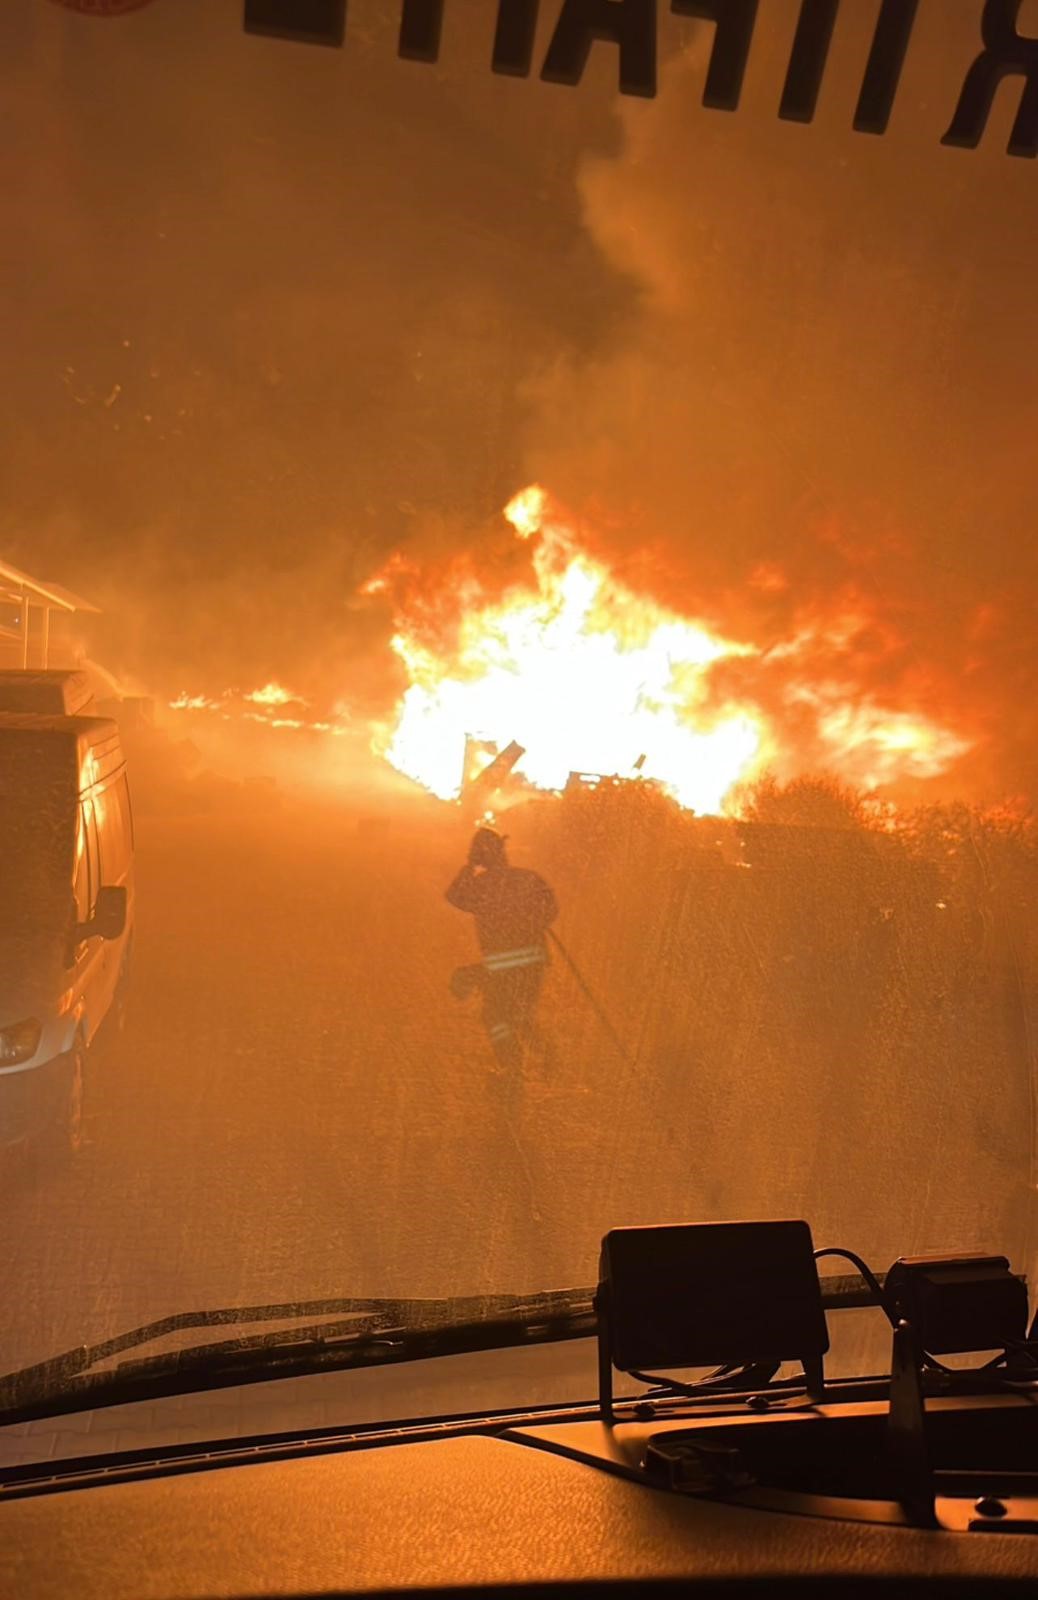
[{"x": 19, "y": 1042}]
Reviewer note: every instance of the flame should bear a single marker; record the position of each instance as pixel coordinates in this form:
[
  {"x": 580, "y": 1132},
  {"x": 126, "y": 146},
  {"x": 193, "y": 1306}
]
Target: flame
[
  {"x": 586, "y": 675},
  {"x": 395, "y": 567},
  {"x": 273, "y": 694},
  {"x": 526, "y": 510},
  {"x": 193, "y": 702},
  {"x": 264, "y": 706},
  {"x": 877, "y": 746},
  {"x": 590, "y": 677}
]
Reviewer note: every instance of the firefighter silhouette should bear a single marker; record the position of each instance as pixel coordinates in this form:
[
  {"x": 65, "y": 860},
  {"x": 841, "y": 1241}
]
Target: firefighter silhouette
[{"x": 513, "y": 909}]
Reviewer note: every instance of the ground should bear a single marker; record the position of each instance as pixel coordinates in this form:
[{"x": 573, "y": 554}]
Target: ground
[{"x": 298, "y": 1107}]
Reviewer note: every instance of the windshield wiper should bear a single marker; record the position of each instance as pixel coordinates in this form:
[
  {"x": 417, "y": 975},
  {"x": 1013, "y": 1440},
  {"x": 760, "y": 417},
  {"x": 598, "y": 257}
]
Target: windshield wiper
[
  {"x": 367, "y": 1333},
  {"x": 364, "y": 1333}
]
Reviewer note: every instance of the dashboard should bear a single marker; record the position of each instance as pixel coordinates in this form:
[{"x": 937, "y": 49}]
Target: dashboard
[{"x": 447, "y": 1507}]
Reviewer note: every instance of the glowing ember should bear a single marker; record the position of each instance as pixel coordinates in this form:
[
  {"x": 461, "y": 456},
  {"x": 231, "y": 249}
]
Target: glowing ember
[{"x": 588, "y": 676}]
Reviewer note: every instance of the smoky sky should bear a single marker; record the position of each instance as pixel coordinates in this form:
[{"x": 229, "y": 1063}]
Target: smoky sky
[
  {"x": 825, "y": 406},
  {"x": 270, "y": 308},
  {"x": 274, "y": 311}
]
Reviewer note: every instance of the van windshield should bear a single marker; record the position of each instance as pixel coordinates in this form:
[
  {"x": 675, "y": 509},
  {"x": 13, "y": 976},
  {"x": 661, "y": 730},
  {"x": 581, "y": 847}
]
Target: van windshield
[{"x": 554, "y": 555}]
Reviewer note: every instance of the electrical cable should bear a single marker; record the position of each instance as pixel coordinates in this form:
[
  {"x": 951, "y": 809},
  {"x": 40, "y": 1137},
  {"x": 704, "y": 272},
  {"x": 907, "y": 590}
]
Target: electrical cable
[
  {"x": 675, "y": 1385},
  {"x": 929, "y": 1361},
  {"x": 866, "y": 1272},
  {"x": 755, "y": 1375}
]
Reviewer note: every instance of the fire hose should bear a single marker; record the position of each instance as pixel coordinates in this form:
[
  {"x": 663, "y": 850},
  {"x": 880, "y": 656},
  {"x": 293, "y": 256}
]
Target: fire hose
[{"x": 596, "y": 1007}]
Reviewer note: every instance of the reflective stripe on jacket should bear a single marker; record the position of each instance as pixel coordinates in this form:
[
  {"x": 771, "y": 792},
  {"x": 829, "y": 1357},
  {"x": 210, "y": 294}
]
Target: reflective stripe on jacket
[{"x": 503, "y": 960}]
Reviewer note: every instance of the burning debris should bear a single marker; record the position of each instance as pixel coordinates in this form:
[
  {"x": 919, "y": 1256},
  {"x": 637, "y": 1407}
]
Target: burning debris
[
  {"x": 582, "y": 672},
  {"x": 569, "y": 676},
  {"x": 590, "y": 678},
  {"x": 566, "y": 675}
]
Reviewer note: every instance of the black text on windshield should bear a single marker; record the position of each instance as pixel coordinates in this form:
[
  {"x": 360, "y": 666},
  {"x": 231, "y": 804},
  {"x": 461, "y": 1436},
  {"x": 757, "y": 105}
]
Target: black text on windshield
[{"x": 632, "y": 27}]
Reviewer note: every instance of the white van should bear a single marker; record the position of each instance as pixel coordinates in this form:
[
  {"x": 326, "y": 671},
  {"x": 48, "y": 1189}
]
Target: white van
[
  {"x": 50, "y": 692},
  {"x": 66, "y": 913}
]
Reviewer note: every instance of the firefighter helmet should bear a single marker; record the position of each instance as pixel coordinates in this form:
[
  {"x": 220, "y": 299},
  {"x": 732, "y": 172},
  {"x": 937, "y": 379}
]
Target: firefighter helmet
[{"x": 487, "y": 848}]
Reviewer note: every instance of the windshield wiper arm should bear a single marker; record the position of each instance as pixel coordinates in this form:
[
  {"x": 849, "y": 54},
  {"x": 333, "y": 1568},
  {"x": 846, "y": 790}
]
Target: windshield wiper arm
[{"x": 368, "y": 1333}]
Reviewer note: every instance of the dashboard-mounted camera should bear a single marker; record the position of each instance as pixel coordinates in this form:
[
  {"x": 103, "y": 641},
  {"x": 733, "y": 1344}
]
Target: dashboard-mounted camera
[{"x": 703, "y": 1293}]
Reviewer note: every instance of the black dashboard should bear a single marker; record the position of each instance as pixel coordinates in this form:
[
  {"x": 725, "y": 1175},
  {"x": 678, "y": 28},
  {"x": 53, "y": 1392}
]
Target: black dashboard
[{"x": 448, "y": 1509}]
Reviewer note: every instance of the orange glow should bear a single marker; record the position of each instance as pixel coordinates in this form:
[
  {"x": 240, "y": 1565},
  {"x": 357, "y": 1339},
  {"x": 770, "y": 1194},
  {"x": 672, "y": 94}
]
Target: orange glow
[
  {"x": 874, "y": 746},
  {"x": 89, "y": 774},
  {"x": 588, "y": 676},
  {"x": 193, "y": 702},
  {"x": 264, "y": 706},
  {"x": 525, "y": 511},
  {"x": 272, "y": 694},
  {"x": 395, "y": 567}
]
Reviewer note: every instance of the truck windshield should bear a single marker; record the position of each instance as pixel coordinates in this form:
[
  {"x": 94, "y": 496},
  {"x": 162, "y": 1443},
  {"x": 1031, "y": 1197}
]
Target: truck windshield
[{"x": 546, "y": 529}]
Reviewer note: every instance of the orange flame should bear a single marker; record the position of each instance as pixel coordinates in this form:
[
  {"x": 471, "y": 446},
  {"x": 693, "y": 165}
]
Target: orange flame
[
  {"x": 583, "y": 673},
  {"x": 264, "y": 706},
  {"x": 273, "y": 694},
  {"x": 589, "y": 677}
]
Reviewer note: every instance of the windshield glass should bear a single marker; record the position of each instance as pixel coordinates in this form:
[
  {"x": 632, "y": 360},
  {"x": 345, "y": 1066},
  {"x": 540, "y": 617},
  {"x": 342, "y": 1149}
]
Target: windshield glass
[{"x": 558, "y": 562}]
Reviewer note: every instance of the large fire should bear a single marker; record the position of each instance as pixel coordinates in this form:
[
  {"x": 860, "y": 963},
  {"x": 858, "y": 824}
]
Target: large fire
[{"x": 589, "y": 677}]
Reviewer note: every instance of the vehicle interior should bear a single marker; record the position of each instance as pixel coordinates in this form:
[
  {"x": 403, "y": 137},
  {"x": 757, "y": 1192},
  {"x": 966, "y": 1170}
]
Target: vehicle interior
[{"x": 761, "y": 1475}]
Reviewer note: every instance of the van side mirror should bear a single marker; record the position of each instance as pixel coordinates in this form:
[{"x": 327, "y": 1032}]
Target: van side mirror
[{"x": 109, "y": 918}]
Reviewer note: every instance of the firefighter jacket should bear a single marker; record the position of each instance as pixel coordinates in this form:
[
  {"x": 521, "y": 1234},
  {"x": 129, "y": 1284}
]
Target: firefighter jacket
[{"x": 513, "y": 909}]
